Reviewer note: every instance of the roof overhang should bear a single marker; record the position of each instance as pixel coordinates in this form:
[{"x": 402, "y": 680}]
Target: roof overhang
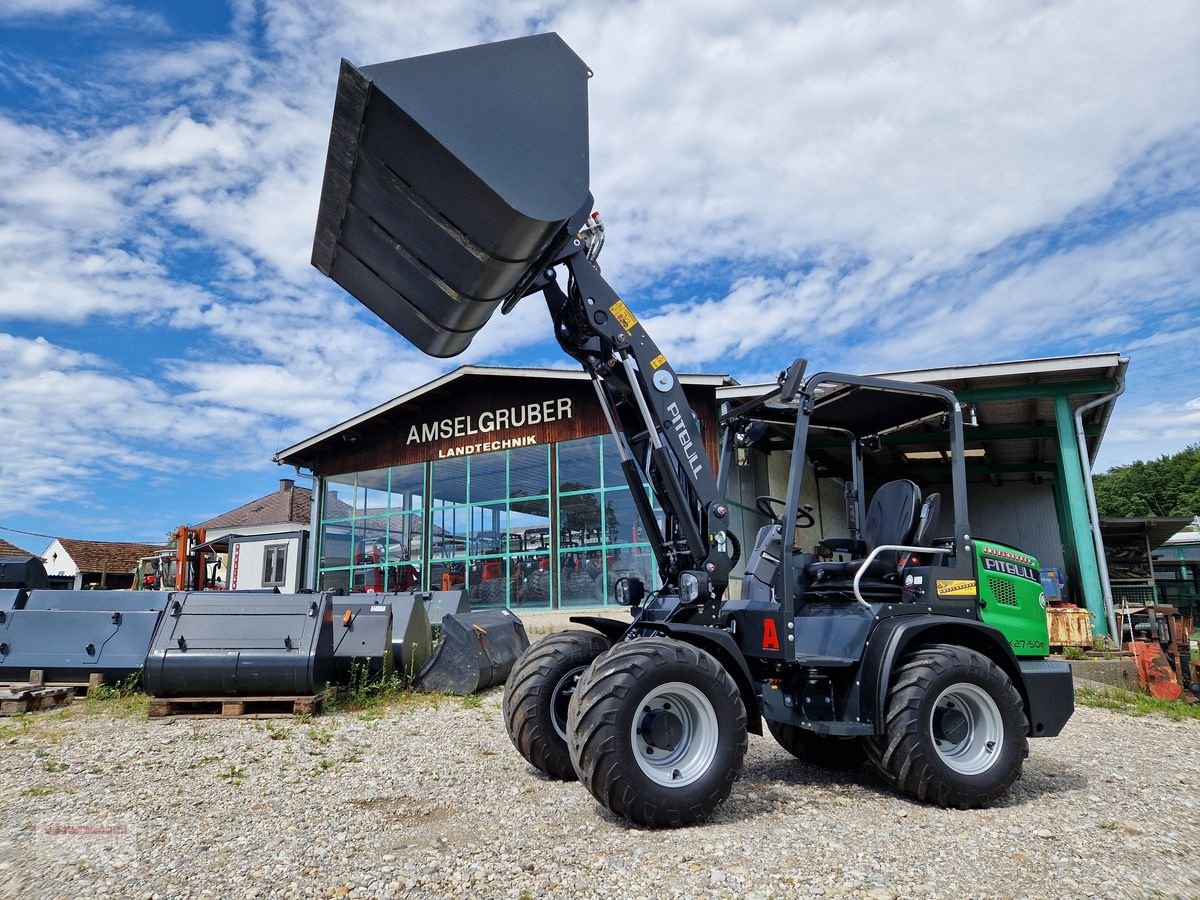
[
  {"x": 1014, "y": 407},
  {"x": 295, "y": 454}
]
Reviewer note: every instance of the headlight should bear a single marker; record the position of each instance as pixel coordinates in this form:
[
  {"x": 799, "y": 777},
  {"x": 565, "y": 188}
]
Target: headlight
[
  {"x": 693, "y": 587},
  {"x": 629, "y": 591}
]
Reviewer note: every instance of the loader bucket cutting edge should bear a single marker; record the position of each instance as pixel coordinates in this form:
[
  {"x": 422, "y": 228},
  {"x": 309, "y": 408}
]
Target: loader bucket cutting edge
[
  {"x": 476, "y": 651},
  {"x": 449, "y": 179}
]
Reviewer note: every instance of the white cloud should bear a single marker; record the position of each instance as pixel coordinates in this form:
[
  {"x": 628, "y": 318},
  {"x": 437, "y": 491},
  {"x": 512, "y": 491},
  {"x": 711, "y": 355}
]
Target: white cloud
[{"x": 880, "y": 185}]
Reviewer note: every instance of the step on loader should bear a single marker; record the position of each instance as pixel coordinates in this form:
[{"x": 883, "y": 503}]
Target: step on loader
[{"x": 458, "y": 183}]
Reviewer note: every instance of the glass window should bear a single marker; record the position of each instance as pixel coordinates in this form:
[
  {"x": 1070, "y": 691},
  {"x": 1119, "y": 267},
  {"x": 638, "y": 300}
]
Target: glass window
[
  {"x": 274, "y": 565},
  {"x": 449, "y": 481},
  {"x": 339, "y": 497},
  {"x": 580, "y": 520},
  {"x": 336, "y": 539},
  {"x": 489, "y": 477},
  {"x": 579, "y": 465},
  {"x": 581, "y": 578},
  {"x": 371, "y": 494},
  {"x": 528, "y": 472}
]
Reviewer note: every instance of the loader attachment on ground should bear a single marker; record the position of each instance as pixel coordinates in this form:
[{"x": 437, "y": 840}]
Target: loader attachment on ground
[
  {"x": 212, "y": 644},
  {"x": 449, "y": 178},
  {"x": 362, "y": 638},
  {"x": 412, "y": 636},
  {"x": 72, "y": 635},
  {"x": 476, "y": 651}
]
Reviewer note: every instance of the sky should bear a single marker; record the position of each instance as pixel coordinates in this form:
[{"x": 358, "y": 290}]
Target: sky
[{"x": 876, "y": 186}]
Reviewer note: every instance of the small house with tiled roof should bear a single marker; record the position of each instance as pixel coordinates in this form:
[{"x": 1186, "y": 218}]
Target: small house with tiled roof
[
  {"x": 263, "y": 543},
  {"x": 94, "y": 564},
  {"x": 7, "y": 549}
]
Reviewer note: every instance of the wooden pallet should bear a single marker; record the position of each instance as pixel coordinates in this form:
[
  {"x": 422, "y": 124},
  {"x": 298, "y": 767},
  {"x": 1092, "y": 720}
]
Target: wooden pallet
[
  {"x": 17, "y": 699},
  {"x": 240, "y": 707},
  {"x": 77, "y": 688}
]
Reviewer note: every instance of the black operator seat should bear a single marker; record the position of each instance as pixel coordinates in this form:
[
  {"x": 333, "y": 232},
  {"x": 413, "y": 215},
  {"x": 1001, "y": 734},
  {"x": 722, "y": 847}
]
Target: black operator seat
[{"x": 892, "y": 518}]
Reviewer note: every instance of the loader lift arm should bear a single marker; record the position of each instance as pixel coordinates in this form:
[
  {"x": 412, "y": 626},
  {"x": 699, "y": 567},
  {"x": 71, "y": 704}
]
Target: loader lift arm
[{"x": 656, "y": 430}]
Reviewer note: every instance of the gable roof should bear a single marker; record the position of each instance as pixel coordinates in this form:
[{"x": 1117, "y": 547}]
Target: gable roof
[
  {"x": 287, "y": 505},
  {"x": 107, "y": 556},
  {"x": 7, "y": 549}
]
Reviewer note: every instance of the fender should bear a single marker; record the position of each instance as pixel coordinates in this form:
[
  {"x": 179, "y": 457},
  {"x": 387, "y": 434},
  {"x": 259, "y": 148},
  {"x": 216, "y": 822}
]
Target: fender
[
  {"x": 613, "y": 629},
  {"x": 894, "y": 635},
  {"x": 720, "y": 644}
]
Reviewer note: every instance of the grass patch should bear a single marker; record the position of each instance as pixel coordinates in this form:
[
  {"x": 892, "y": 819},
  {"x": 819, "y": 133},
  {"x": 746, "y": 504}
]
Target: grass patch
[
  {"x": 1074, "y": 653},
  {"x": 373, "y": 694},
  {"x": 1135, "y": 704},
  {"x": 38, "y": 790},
  {"x": 124, "y": 698}
]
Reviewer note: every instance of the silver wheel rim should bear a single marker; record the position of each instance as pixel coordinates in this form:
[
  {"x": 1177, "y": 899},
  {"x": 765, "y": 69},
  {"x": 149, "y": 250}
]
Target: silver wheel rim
[
  {"x": 967, "y": 729},
  {"x": 560, "y": 699},
  {"x": 674, "y": 734}
]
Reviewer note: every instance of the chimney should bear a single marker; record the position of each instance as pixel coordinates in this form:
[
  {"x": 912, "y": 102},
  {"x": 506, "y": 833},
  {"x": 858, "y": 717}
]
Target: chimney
[{"x": 286, "y": 485}]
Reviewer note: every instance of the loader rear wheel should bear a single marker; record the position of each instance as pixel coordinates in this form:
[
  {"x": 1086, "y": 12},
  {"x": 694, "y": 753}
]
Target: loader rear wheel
[
  {"x": 657, "y": 732},
  {"x": 825, "y": 751},
  {"x": 537, "y": 694},
  {"x": 955, "y": 733}
]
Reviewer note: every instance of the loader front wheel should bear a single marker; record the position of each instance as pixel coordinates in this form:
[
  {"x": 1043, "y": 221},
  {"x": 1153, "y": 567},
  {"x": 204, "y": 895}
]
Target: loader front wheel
[
  {"x": 825, "y": 751},
  {"x": 955, "y": 729},
  {"x": 657, "y": 732},
  {"x": 537, "y": 694}
]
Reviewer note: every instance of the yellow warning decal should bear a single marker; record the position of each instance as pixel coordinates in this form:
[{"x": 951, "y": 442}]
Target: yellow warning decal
[
  {"x": 622, "y": 314},
  {"x": 658, "y": 362},
  {"x": 956, "y": 588}
]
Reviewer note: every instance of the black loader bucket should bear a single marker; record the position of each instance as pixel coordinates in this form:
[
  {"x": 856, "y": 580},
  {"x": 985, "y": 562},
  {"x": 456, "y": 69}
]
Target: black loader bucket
[
  {"x": 476, "y": 651},
  {"x": 412, "y": 637},
  {"x": 250, "y": 645},
  {"x": 362, "y": 638},
  {"x": 449, "y": 180}
]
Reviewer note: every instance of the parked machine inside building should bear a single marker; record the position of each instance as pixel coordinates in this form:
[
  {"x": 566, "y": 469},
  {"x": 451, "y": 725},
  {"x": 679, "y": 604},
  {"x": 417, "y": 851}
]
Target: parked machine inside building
[{"x": 457, "y": 184}]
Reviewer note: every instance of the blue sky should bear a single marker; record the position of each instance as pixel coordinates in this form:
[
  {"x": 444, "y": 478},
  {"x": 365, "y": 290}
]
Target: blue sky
[{"x": 1018, "y": 179}]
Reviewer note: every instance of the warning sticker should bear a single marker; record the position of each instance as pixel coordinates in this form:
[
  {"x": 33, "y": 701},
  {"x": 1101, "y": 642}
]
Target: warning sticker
[
  {"x": 956, "y": 588},
  {"x": 658, "y": 362},
  {"x": 622, "y": 314}
]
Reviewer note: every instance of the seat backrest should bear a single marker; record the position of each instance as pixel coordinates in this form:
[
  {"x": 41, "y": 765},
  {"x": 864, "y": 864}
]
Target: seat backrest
[
  {"x": 892, "y": 517},
  {"x": 929, "y": 514}
]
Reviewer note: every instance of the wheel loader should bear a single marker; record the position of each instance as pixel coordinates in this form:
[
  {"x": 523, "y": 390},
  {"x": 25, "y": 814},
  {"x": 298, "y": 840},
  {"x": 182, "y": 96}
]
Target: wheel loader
[{"x": 457, "y": 184}]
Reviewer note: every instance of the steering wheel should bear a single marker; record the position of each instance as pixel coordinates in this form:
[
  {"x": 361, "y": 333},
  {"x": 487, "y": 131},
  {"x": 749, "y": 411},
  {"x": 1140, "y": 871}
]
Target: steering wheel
[{"x": 766, "y": 505}]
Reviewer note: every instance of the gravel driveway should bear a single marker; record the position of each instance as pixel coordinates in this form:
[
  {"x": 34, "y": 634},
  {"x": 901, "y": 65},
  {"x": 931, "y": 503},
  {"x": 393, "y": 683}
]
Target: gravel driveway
[{"x": 432, "y": 800}]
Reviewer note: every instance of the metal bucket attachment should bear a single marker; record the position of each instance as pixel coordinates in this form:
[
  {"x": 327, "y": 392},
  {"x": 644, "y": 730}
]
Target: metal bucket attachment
[
  {"x": 448, "y": 178},
  {"x": 250, "y": 645},
  {"x": 362, "y": 638},
  {"x": 476, "y": 651},
  {"x": 121, "y": 601},
  {"x": 22, "y": 572},
  {"x": 412, "y": 636},
  {"x": 440, "y": 604},
  {"x": 74, "y": 635}
]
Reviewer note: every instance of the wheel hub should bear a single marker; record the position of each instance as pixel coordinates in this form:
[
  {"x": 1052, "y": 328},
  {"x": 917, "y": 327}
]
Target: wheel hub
[
  {"x": 661, "y": 728},
  {"x": 674, "y": 734},
  {"x": 560, "y": 699},
  {"x": 967, "y": 728}
]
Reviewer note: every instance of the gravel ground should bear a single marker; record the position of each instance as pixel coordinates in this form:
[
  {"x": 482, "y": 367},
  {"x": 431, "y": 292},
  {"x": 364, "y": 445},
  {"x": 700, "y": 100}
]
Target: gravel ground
[{"x": 432, "y": 801}]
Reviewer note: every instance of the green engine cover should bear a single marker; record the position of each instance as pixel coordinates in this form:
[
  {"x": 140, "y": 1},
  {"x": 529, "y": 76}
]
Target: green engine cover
[{"x": 1011, "y": 597}]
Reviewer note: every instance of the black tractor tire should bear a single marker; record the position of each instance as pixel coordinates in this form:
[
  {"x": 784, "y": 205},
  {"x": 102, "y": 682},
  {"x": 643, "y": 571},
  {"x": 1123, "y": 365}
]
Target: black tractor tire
[
  {"x": 657, "y": 732},
  {"x": 955, "y": 729},
  {"x": 537, "y": 692},
  {"x": 825, "y": 751}
]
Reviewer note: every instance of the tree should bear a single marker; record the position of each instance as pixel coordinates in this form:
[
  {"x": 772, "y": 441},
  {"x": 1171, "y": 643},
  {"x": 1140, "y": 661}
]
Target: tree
[{"x": 1167, "y": 486}]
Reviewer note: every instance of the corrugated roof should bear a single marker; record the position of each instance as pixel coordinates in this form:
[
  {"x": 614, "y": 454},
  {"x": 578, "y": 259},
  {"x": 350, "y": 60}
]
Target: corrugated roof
[
  {"x": 7, "y": 549},
  {"x": 287, "y": 505},
  {"x": 107, "y": 556}
]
